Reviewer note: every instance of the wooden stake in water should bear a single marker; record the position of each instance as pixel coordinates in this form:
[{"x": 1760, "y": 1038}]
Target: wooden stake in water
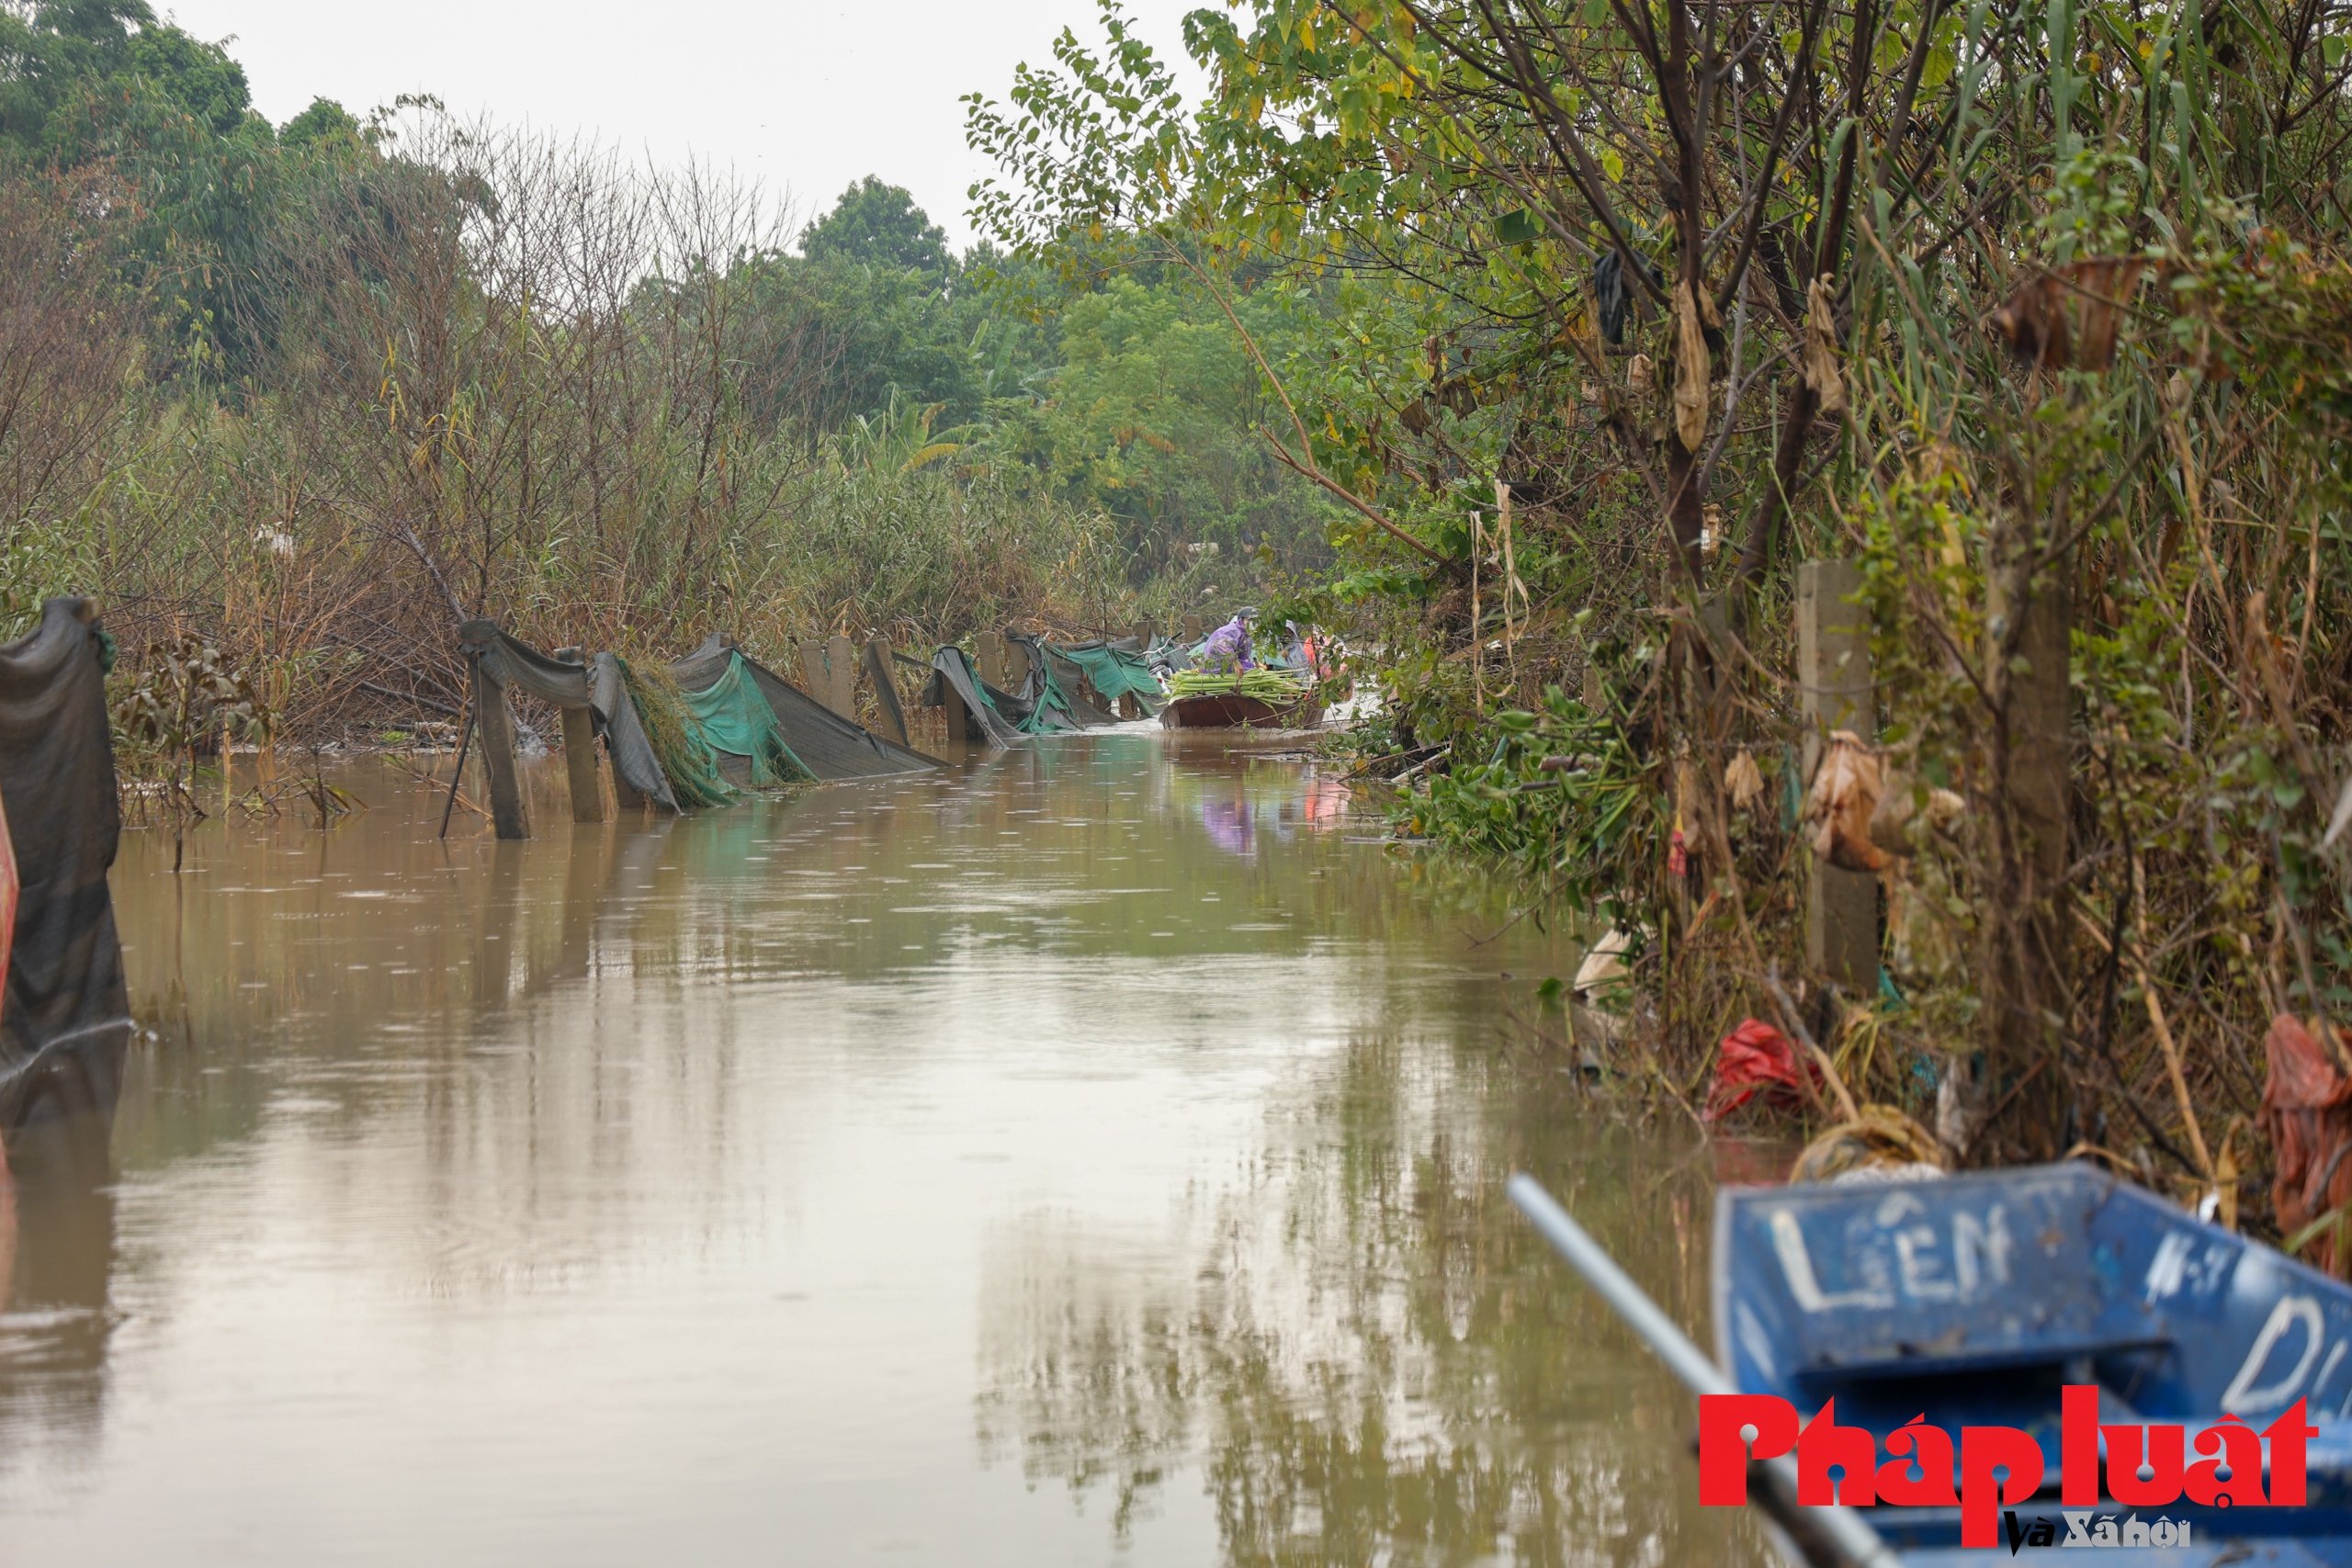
[
  {"x": 1016, "y": 665},
  {"x": 889, "y": 714},
  {"x": 987, "y": 655},
  {"x": 579, "y": 751},
  {"x": 841, "y": 675},
  {"x": 465, "y": 741}
]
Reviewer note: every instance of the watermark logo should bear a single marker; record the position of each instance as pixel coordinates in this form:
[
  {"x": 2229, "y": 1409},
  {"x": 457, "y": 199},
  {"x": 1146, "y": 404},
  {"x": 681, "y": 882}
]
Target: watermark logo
[
  {"x": 2146, "y": 1467},
  {"x": 2092, "y": 1530}
]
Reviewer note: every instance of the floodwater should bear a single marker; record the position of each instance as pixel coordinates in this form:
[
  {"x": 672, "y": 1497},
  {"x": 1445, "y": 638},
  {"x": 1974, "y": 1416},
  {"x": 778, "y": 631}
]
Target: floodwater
[{"x": 1092, "y": 1155}]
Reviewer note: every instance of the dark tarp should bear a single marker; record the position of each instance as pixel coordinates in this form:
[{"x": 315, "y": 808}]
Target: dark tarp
[
  {"x": 597, "y": 686},
  {"x": 1114, "y": 668},
  {"x": 1073, "y": 676},
  {"x": 1050, "y": 688},
  {"x": 885, "y": 688},
  {"x": 830, "y": 746},
  {"x": 66, "y": 1016},
  {"x": 953, "y": 675},
  {"x": 625, "y": 740},
  {"x": 510, "y": 663}
]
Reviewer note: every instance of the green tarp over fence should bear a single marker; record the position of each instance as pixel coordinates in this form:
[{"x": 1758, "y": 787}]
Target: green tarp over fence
[
  {"x": 1113, "y": 669},
  {"x": 1051, "y": 706},
  {"x": 735, "y": 719},
  {"x": 827, "y": 745},
  {"x": 1048, "y": 700}
]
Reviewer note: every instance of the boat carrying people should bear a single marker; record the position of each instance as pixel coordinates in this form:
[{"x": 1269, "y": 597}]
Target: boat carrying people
[
  {"x": 1228, "y": 683},
  {"x": 2039, "y": 1357}
]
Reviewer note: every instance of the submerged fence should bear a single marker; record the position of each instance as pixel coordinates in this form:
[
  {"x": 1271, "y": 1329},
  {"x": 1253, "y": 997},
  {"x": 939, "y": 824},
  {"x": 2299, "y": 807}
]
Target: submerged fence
[{"x": 704, "y": 729}]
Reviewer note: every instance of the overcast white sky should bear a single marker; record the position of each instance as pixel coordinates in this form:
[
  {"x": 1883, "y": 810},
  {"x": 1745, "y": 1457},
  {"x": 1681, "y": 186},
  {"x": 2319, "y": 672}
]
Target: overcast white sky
[{"x": 805, "y": 96}]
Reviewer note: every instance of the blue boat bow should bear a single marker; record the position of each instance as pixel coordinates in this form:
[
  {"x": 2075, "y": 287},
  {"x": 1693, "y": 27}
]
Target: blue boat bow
[{"x": 1976, "y": 1299}]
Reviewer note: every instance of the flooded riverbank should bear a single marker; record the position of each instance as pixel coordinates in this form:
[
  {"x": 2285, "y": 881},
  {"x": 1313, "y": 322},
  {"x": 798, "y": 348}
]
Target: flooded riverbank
[{"x": 1092, "y": 1155}]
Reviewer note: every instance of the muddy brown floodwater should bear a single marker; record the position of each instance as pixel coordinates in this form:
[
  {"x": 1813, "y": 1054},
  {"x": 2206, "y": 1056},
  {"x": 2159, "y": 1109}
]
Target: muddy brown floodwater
[{"x": 1092, "y": 1155}]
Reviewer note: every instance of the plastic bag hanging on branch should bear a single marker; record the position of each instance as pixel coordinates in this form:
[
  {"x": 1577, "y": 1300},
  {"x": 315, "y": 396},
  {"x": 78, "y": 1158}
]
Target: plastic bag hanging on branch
[
  {"x": 1744, "y": 781},
  {"x": 1846, "y": 792},
  {"x": 1821, "y": 371},
  {"x": 2066, "y": 317},
  {"x": 1691, "y": 369},
  {"x": 2307, "y": 1115}
]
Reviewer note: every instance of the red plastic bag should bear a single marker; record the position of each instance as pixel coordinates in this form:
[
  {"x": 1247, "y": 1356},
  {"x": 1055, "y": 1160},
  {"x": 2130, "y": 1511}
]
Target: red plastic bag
[
  {"x": 2306, "y": 1114},
  {"x": 1757, "y": 1058}
]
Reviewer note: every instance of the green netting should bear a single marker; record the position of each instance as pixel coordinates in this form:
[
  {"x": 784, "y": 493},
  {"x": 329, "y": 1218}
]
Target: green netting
[
  {"x": 1116, "y": 674},
  {"x": 1050, "y": 706},
  {"x": 1049, "y": 713},
  {"x": 733, "y": 717},
  {"x": 676, "y": 736}
]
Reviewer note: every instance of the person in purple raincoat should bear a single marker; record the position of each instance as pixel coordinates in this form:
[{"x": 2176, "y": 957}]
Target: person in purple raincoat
[{"x": 1231, "y": 641}]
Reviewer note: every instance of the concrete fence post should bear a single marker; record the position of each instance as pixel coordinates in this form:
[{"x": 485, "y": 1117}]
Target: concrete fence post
[
  {"x": 987, "y": 654},
  {"x": 509, "y": 813},
  {"x": 1016, "y": 665},
  {"x": 893, "y": 717},
  {"x": 840, "y": 676},
  {"x": 1193, "y": 630},
  {"x": 579, "y": 751},
  {"x": 2041, "y": 764},
  {"x": 1834, "y": 692}
]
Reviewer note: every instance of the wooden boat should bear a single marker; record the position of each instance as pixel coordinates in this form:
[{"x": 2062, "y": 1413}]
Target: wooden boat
[{"x": 1231, "y": 710}]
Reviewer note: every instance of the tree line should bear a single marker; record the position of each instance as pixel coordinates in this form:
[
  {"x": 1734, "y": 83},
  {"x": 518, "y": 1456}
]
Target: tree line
[{"x": 314, "y": 392}]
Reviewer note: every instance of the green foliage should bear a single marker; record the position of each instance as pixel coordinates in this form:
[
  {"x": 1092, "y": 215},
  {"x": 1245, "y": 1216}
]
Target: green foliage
[
  {"x": 879, "y": 225},
  {"x": 1151, "y": 416},
  {"x": 1563, "y": 799},
  {"x": 38, "y": 562},
  {"x": 687, "y": 758},
  {"x": 325, "y": 121}
]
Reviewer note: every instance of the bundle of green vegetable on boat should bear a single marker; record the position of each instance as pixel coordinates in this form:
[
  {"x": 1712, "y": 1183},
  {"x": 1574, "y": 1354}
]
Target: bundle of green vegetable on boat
[{"x": 1276, "y": 686}]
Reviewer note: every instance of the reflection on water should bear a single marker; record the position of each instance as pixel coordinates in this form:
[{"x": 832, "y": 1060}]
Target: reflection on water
[
  {"x": 57, "y": 1238},
  {"x": 1237, "y": 806},
  {"x": 1090, "y": 1155},
  {"x": 1365, "y": 1353}
]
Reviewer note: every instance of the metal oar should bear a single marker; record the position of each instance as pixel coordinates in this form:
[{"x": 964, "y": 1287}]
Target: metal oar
[{"x": 1829, "y": 1538}]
